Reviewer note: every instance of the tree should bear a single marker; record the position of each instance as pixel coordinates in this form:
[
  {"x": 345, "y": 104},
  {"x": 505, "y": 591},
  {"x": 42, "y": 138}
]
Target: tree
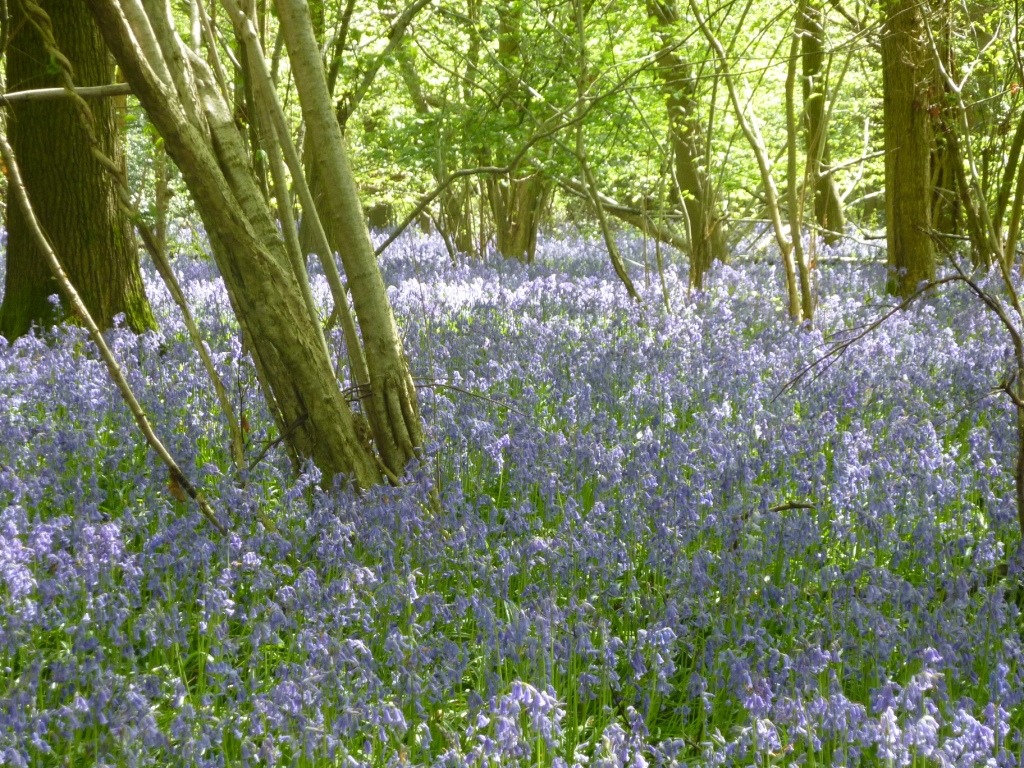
[
  {"x": 908, "y": 87},
  {"x": 828, "y": 204},
  {"x": 74, "y": 198},
  {"x": 183, "y": 101},
  {"x": 693, "y": 184},
  {"x": 518, "y": 201}
]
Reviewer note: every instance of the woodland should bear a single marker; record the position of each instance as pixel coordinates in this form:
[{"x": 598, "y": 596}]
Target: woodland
[{"x": 555, "y": 383}]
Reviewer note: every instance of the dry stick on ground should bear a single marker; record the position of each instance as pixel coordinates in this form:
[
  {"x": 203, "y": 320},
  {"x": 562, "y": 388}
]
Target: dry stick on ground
[
  {"x": 41, "y": 22},
  {"x": 788, "y": 505},
  {"x": 17, "y": 188}
]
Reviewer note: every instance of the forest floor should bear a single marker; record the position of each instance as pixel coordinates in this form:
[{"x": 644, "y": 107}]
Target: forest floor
[{"x": 644, "y": 554}]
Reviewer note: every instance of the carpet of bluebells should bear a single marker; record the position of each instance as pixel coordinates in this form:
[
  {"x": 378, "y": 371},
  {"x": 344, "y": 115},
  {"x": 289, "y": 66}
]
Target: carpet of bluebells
[{"x": 641, "y": 556}]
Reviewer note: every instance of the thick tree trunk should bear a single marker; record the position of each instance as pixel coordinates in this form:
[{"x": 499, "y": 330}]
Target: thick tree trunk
[
  {"x": 73, "y": 197},
  {"x": 828, "y": 203},
  {"x": 201, "y": 138},
  {"x": 517, "y": 201},
  {"x": 517, "y": 205},
  {"x": 391, "y": 404},
  {"x": 906, "y": 78},
  {"x": 691, "y": 183}
]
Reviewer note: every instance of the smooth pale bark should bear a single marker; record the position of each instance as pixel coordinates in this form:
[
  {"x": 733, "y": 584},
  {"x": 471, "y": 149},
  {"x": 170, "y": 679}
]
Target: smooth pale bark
[
  {"x": 906, "y": 70},
  {"x": 794, "y": 184},
  {"x": 279, "y": 136},
  {"x": 694, "y": 186},
  {"x": 299, "y": 380},
  {"x": 75, "y": 200},
  {"x": 828, "y": 203},
  {"x": 391, "y": 404}
]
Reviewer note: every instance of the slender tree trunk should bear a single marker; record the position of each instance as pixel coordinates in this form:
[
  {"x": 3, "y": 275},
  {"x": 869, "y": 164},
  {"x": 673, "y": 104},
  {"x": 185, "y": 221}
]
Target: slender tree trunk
[
  {"x": 906, "y": 79},
  {"x": 391, "y": 404},
  {"x": 753, "y": 135},
  {"x": 794, "y": 178},
  {"x": 828, "y": 203},
  {"x": 307, "y": 237},
  {"x": 74, "y": 199}
]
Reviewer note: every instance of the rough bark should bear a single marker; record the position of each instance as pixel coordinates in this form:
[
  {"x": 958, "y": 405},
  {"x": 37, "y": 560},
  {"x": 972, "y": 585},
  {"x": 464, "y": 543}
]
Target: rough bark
[
  {"x": 290, "y": 359},
  {"x": 906, "y": 83},
  {"x": 828, "y": 203},
  {"x": 391, "y": 403},
  {"x": 73, "y": 197}
]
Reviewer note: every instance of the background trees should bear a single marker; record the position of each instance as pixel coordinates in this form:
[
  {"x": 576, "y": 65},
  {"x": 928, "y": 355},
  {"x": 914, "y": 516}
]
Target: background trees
[{"x": 704, "y": 126}]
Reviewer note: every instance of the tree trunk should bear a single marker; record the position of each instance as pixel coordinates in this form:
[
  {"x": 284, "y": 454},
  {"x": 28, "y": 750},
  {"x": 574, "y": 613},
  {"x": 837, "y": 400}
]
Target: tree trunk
[
  {"x": 391, "y": 404},
  {"x": 204, "y": 143},
  {"x": 516, "y": 202},
  {"x": 692, "y": 184},
  {"x": 517, "y": 205},
  {"x": 73, "y": 197},
  {"x": 307, "y": 236},
  {"x": 828, "y": 203},
  {"x": 906, "y": 83}
]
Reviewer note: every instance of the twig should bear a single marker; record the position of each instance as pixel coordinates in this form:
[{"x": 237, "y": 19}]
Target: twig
[
  {"x": 288, "y": 432},
  {"x": 839, "y": 349},
  {"x": 792, "y": 505},
  {"x": 453, "y": 387}
]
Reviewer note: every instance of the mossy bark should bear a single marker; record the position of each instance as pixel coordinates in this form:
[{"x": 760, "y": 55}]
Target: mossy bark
[
  {"x": 391, "y": 405},
  {"x": 907, "y": 91},
  {"x": 200, "y": 136},
  {"x": 73, "y": 197}
]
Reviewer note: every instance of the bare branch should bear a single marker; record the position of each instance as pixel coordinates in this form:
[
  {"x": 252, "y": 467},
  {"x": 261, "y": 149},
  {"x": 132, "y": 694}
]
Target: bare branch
[{"x": 55, "y": 94}]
